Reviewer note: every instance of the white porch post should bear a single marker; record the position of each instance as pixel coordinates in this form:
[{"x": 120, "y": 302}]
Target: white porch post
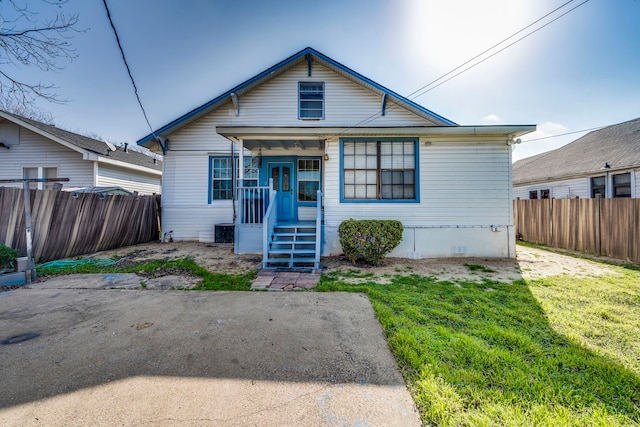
[{"x": 241, "y": 162}]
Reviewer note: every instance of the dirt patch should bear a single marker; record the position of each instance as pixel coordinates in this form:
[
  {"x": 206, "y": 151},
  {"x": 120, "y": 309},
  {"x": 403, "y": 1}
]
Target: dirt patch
[
  {"x": 215, "y": 257},
  {"x": 530, "y": 263}
]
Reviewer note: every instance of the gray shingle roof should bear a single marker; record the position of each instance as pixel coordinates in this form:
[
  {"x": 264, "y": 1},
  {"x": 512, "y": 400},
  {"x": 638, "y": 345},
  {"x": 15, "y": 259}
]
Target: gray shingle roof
[
  {"x": 98, "y": 147},
  {"x": 618, "y": 145}
]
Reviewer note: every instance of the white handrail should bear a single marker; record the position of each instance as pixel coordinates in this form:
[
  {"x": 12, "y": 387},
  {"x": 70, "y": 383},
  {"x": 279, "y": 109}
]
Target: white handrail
[{"x": 268, "y": 224}]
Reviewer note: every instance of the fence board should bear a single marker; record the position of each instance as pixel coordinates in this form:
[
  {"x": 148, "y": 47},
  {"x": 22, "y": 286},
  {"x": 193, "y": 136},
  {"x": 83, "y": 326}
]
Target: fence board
[
  {"x": 66, "y": 226},
  {"x": 609, "y": 227}
]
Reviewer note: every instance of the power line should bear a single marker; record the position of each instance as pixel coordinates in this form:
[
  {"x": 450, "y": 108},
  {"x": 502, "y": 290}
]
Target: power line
[
  {"x": 410, "y": 96},
  {"x": 504, "y": 48},
  {"x": 419, "y": 92},
  {"x": 124, "y": 59},
  {"x": 564, "y": 134}
]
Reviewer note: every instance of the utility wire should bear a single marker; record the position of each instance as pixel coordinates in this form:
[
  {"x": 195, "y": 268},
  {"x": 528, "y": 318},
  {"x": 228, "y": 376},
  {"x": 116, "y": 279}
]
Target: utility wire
[
  {"x": 564, "y": 134},
  {"x": 504, "y": 48},
  {"x": 135, "y": 88},
  {"x": 419, "y": 92},
  {"x": 410, "y": 96}
]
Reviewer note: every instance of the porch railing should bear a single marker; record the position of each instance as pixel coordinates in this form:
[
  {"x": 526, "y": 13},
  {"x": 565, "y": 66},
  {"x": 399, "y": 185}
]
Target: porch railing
[
  {"x": 252, "y": 204},
  {"x": 270, "y": 218},
  {"x": 319, "y": 233}
]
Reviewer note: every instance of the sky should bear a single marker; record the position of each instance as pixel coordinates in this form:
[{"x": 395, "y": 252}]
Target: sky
[{"x": 580, "y": 72}]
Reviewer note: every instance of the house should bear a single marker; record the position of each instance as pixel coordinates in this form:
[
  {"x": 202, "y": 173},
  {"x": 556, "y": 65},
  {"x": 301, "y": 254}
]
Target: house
[
  {"x": 289, "y": 154},
  {"x": 603, "y": 163},
  {"x": 32, "y": 149}
]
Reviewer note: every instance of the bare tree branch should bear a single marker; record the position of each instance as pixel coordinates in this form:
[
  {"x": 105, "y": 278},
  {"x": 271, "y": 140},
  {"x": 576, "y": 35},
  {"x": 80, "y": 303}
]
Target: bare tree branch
[{"x": 26, "y": 41}]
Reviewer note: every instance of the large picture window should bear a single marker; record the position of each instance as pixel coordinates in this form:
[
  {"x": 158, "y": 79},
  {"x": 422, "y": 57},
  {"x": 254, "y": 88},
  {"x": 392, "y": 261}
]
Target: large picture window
[{"x": 379, "y": 170}]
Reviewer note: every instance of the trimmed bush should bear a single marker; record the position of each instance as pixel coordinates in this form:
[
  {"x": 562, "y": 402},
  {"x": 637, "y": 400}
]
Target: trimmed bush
[{"x": 369, "y": 240}]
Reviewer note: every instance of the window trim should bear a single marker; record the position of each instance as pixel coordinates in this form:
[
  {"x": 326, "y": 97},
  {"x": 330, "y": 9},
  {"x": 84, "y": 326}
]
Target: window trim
[
  {"x": 234, "y": 180},
  {"x": 303, "y": 202},
  {"x": 591, "y": 186},
  {"x": 417, "y": 174},
  {"x": 300, "y": 83},
  {"x": 40, "y": 173},
  {"x": 614, "y": 186}
]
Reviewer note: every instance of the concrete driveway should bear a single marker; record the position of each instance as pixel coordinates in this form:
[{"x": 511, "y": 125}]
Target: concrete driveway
[{"x": 75, "y": 351}]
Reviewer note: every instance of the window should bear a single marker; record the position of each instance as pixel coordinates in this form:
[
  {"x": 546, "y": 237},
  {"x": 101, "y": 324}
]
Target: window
[
  {"x": 598, "y": 186},
  {"x": 221, "y": 172},
  {"x": 533, "y": 194},
  {"x": 251, "y": 171},
  {"x": 40, "y": 172},
  {"x": 311, "y": 100},
  {"x": 622, "y": 185},
  {"x": 308, "y": 180},
  {"x": 222, "y": 182},
  {"x": 544, "y": 194},
  {"x": 379, "y": 170}
]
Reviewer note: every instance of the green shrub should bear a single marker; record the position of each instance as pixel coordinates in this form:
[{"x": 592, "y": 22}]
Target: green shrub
[
  {"x": 369, "y": 240},
  {"x": 7, "y": 257}
]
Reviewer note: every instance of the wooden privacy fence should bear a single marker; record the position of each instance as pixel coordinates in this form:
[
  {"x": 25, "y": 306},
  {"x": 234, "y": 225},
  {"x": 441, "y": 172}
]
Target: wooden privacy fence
[
  {"x": 67, "y": 224},
  {"x": 608, "y": 227}
]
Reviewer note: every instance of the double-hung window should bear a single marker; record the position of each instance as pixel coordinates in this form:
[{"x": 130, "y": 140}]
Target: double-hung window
[
  {"x": 308, "y": 180},
  {"x": 311, "y": 100},
  {"x": 379, "y": 170},
  {"x": 222, "y": 180},
  {"x": 622, "y": 185}
]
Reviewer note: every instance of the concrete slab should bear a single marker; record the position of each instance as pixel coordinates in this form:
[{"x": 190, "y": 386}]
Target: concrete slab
[{"x": 90, "y": 355}]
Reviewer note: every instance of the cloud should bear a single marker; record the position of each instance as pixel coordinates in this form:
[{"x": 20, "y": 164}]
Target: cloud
[{"x": 492, "y": 118}]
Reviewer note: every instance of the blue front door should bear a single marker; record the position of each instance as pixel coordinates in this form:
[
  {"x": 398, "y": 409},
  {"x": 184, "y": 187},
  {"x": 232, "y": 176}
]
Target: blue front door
[{"x": 283, "y": 179}]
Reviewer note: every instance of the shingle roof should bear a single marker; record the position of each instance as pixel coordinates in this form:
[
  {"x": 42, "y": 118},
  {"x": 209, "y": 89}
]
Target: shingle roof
[
  {"x": 618, "y": 145},
  {"x": 97, "y": 147}
]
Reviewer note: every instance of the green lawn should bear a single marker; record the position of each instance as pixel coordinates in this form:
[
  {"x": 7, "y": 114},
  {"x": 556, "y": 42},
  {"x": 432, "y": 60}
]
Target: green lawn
[{"x": 558, "y": 351}]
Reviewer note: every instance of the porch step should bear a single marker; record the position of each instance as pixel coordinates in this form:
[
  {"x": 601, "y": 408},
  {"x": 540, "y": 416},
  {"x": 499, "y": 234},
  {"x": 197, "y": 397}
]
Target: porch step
[
  {"x": 292, "y": 251},
  {"x": 292, "y": 245}
]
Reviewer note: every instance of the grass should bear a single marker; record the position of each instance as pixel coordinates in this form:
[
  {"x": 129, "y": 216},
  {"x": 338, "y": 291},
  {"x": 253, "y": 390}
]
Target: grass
[
  {"x": 556, "y": 351},
  {"x": 478, "y": 267},
  {"x": 158, "y": 268}
]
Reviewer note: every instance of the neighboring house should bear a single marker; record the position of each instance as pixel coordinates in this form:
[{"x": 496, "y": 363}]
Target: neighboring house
[
  {"x": 603, "y": 163},
  {"x": 31, "y": 149},
  {"x": 309, "y": 123}
]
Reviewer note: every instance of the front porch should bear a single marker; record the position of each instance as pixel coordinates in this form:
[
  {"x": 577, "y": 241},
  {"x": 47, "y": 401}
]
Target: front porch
[{"x": 283, "y": 242}]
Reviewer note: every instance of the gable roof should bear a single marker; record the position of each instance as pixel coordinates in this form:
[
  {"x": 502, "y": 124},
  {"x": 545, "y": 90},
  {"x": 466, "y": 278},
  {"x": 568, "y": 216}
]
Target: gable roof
[
  {"x": 306, "y": 54},
  {"x": 83, "y": 144},
  {"x": 616, "y": 145}
]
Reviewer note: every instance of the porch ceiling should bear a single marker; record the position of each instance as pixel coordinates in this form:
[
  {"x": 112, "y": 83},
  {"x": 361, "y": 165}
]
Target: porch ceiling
[{"x": 269, "y": 144}]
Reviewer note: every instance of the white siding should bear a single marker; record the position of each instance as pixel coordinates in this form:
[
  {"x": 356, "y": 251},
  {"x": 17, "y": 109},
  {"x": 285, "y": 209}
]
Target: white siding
[
  {"x": 185, "y": 207},
  {"x": 464, "y": 193},
  {"x": 566, "y": 188},
  {"x": 275, "y": 103},
  {"x": 35, "y": 150},
  {"x": 113, "y": 176}
]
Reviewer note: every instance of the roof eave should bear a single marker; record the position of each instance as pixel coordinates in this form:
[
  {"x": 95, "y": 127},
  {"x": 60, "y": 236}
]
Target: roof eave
[{"x": 279, "y": 68}]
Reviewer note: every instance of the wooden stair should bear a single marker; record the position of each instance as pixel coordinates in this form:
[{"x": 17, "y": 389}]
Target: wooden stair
[{"x": 293, "y": 246}]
